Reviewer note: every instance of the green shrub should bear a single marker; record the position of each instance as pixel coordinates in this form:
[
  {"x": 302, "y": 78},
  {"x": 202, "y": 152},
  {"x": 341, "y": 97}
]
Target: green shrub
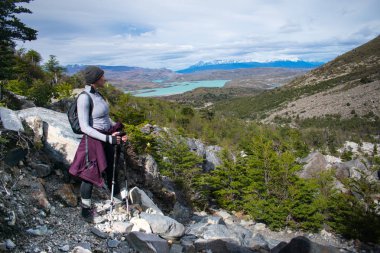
[
  {"x": 40, "y": 92},
  {"x": 18, "y": 87},
  {"x": 63, "y": 90}
]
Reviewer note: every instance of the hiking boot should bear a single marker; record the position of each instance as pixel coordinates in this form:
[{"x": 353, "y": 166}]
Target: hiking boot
[{"x": 90, "y": 215}]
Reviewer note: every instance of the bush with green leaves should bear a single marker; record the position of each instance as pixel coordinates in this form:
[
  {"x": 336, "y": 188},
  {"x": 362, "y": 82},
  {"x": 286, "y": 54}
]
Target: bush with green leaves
[
  {"x": 40, "y": 93},
  {"x": 17, "y": 86},
  {"x": 63, "y": 90}
]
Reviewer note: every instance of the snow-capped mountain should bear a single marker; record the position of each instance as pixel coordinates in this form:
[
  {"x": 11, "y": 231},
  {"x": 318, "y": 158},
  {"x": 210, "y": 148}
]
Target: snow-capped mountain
[{"x": 232, "y": 64}]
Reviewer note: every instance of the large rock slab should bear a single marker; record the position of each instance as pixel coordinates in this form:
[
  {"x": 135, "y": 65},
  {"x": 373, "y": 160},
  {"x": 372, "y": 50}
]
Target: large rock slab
[
  {"x": 60, "y": 141},
  {"x": 164, "y": 226},
  {"x": 147, "y": 243}
]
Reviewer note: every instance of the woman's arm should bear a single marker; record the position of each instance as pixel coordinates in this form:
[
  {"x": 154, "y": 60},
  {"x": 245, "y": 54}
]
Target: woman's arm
[{"x": 83, "y": 107}]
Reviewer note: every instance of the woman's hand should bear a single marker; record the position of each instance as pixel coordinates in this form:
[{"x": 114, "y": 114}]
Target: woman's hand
[{"x": 118, "y": 138}]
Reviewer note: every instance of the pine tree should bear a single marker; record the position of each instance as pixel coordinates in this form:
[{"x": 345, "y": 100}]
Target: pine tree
[{"x": 11, "y": 30}]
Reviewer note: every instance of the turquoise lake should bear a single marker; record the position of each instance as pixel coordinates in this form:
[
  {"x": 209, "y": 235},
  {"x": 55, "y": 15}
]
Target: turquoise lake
[{"x": 177, "y": 88}]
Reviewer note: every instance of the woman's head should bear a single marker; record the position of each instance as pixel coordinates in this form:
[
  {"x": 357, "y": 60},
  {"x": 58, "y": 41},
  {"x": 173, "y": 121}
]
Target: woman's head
[{"x": 94, "y": 75}]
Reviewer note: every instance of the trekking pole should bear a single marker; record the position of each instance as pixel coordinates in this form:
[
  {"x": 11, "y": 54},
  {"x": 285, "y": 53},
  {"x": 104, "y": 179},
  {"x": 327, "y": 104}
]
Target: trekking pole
[
  {"x": 113, "y": 181},
  {"x": 126, "y": 178}
]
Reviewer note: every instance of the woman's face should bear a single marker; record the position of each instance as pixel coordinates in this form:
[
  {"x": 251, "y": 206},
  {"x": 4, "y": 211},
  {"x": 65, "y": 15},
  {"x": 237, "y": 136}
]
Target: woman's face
[{"x": 100, "y": 83}]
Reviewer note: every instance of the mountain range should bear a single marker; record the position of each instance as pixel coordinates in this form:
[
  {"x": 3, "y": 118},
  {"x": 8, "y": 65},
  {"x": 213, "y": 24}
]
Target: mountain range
[
  {"x": 240, "y": 74},
  {"x": 221, "y": 65}
]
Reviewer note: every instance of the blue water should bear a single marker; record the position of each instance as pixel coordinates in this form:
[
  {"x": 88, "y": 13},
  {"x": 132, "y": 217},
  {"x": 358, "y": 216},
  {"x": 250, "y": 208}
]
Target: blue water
[{"x": 178, "y": 88}]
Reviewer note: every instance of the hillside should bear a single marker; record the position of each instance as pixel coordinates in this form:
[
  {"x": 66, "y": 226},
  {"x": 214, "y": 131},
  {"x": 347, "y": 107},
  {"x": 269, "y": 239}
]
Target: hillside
[
  {"x": 205, "y": 97},
  {"x": 347, "y": 86}
]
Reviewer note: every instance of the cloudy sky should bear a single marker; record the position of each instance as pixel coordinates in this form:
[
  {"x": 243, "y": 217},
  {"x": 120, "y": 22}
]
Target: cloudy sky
[{"x": 178, "y": 33}]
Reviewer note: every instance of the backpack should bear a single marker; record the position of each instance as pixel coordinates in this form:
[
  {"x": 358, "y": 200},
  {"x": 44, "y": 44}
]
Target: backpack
[{"x": 72, "y": 114}]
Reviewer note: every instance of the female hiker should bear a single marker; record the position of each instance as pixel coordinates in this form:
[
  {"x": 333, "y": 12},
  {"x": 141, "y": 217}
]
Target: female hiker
[{"x": 95, "y": 153}]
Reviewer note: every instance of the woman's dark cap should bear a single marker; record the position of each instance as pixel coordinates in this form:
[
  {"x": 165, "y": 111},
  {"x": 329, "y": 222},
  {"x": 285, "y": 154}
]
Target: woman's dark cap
[{"x": 92, "y": 74}]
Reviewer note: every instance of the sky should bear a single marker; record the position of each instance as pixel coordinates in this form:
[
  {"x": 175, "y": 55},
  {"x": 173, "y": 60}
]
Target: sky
[{"x": 175, "y": 34}]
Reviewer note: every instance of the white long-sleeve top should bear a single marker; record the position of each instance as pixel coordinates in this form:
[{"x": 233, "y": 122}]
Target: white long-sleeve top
[{"x": 99, "y": 119}]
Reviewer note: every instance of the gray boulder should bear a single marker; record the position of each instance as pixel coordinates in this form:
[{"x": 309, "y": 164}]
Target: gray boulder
[
  {"x": 138, "y": 196},
  {"x": 147, "y": 243},
  {"x": 10, "y": 120},
  {"x": 220, "y": 246},
  {"x": 245, "y": 235},
  {"x": 213, "y": 220},
  {"x": 60, "y": 141},
  {"x": 303, "y": 244},
  {"x": 181, "y": 213},
  {"x": 217, "y": 231},
  {"x": 315, "y": 163},
  {"x": 40, "y": 169},
  {"x": 209, "y": 153},
  {"x": 151, "y": 169},
  {"x": 164, "y": 226},
  {"x": 212, "y": 158},
  {"x": 257, "y": 242},
  {"x": 353, "y": 169}
]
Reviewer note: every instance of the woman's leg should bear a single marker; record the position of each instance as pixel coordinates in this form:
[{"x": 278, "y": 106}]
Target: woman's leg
[{"x": 85, "y": 193}]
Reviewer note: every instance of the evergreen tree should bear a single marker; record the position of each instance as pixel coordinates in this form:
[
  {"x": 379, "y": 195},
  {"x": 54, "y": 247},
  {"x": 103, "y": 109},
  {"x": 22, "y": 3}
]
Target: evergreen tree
[
  {"x": 54, "y": 69},
  {"x": 11, "y": 30}
]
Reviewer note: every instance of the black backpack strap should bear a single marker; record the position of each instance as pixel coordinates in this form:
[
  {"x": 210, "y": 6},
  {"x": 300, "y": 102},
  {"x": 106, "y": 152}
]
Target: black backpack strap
[
  {"x": 91, "y": 102},
  {"x": 90, "y": 112}
]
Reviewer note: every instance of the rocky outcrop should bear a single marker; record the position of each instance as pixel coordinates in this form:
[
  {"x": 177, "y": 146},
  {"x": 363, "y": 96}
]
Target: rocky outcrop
[
  {"x": 315, "y": 163},
  {"x": 209, "y": 153},
  {"x": 60, "y": 141}
]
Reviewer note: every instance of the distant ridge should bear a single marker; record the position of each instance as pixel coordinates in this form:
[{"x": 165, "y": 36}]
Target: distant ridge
[
  {"x": 72, "y": 69},
  {"x": 201, "y": 66}
]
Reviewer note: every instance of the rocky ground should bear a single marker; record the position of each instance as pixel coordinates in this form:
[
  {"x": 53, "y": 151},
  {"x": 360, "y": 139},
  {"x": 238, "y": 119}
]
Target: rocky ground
[
  {"x": 39, "y": 209},
  {"x": 39, "y": 213}
]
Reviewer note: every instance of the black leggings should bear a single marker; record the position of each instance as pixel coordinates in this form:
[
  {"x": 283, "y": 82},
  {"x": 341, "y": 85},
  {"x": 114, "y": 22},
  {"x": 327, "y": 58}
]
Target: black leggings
[{"x": 86, "y": 187}]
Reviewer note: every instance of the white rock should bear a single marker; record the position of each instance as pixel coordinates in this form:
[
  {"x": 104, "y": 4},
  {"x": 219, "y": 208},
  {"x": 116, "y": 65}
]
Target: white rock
[
  {"x": 9, "y": 244},
  {"x": 332, "y": 159},
  {"x": 140, "y": 225},
  {"x": 223, "y": 214},
  {"x": 260, "y": 226},
  {"x": 122, "y": 227},
  {"x": 325, "y": 234}
]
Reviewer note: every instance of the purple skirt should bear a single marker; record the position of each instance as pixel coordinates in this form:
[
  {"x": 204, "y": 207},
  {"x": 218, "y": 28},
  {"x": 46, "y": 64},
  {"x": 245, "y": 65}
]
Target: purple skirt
[{"x": 96, "y": 156}]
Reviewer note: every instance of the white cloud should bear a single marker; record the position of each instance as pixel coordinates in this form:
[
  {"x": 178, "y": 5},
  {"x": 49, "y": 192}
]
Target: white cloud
[{"x": 176, "y": 34}]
